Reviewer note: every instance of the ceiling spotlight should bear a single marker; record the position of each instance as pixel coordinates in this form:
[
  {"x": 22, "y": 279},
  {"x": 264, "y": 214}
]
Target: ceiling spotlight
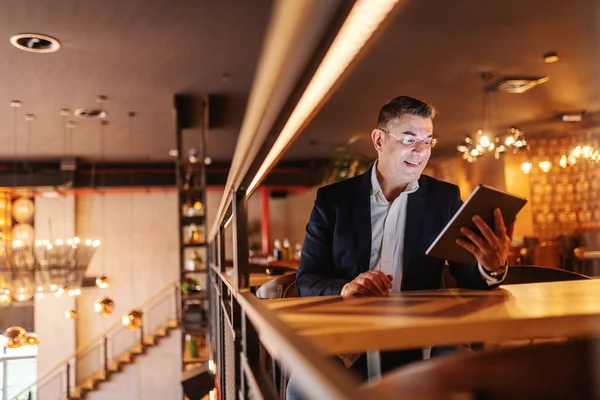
[
  {"x": 550, "y": 57},
  {"x": 173, "y": 153},
  {"x": 572, "y": 117},
  {"x": 207, "y": 160},
  {"x": 35, "y": 43}
]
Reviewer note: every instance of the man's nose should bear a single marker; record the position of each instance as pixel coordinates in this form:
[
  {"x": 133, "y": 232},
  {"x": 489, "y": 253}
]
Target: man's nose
[{"x": 419, "y": 148}]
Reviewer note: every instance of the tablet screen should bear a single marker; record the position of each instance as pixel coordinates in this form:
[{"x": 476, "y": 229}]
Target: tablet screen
[{"x": 482, "y": 201}]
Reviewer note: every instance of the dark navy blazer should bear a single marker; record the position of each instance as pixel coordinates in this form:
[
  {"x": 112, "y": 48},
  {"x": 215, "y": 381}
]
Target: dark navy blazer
[{"x": 337, "y": 244}]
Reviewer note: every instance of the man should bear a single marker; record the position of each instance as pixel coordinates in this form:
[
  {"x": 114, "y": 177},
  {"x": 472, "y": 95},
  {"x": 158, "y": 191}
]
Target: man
[{"x": 368, "y": 235}]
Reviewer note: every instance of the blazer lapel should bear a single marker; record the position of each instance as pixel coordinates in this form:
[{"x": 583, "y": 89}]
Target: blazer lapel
[
  {"x": 362, "y": 219},
  {"x": 415, "y": 211}
]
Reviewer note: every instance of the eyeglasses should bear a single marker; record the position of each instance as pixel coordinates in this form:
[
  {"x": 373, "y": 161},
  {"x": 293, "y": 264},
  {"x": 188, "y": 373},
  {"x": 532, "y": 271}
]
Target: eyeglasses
[{"x": 412, "y": 141}]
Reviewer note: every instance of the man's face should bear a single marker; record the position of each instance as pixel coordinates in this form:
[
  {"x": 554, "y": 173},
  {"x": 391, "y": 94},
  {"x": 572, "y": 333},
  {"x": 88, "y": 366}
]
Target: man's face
[{"x": 398, "y": 160}]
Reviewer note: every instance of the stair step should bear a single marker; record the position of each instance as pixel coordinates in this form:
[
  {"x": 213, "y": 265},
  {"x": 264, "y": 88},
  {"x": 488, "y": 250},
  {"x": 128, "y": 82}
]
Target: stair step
[
  {"x": 172, "y": 323},
  {"x": 150, "y": 340}
]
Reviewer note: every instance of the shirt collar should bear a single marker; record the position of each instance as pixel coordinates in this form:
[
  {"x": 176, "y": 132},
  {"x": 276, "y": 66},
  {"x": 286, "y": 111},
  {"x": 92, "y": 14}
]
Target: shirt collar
[{"x": 376, "y": 187}]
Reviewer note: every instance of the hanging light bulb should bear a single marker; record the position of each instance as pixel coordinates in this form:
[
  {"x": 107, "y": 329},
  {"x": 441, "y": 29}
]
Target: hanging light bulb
[
  {"x": 104, "y": 306},
  {"x": 132, "y": 320},
  {"x": 5, "y": 298},
  {"x": 61, "y": 290},
  {"x": 70, "y": 314},
  {"x": 526, "y": 167},
  {"x": 545, "y": 166},
  {"x": 563, "y": 161},
  {"x": 15, "y": 336},
  {"x": 484, "y": 141},
  {"x": 31, "y": 339},
  {"x": 102, "y": 282}
]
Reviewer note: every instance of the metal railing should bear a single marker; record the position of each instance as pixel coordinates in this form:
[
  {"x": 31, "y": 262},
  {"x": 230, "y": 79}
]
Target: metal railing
[
  {"x": 102, "y": 355},
  {"x": 251, "y": 345}
]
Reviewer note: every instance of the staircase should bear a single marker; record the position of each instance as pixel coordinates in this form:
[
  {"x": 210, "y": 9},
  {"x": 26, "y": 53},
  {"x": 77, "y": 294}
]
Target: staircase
[
  {"x": 120, "y": 362},
  {"x": 108, "y": 353}
]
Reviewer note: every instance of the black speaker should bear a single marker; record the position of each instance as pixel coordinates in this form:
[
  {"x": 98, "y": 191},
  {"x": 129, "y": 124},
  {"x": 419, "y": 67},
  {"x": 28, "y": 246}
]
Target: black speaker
[
  {"x": 197, "y": 382},
  {"x": 185, "y": 108}
]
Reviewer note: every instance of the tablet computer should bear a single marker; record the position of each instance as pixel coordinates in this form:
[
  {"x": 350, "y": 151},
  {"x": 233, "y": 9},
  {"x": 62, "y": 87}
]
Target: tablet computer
[{"x": 482, "y": 201}]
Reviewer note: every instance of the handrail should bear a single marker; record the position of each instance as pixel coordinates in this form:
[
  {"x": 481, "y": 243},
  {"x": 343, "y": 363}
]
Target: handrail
[
  {"x": 304, "y": 360},
  {"x": 96, "y": 339}
]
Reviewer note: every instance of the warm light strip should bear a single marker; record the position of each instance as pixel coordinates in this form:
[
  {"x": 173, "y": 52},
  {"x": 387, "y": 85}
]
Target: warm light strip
[
  {"x": 364, "y": 19},
  {"x": 272, "y": 84}
]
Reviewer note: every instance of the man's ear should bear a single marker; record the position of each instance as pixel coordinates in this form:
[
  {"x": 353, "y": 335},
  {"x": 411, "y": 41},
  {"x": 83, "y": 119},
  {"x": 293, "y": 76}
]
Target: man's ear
[{"x": 377, "y": 138}]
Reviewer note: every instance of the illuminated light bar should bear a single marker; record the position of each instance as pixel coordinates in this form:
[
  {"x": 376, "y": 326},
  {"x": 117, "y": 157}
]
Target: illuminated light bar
[{"x": 364, "y": 19}]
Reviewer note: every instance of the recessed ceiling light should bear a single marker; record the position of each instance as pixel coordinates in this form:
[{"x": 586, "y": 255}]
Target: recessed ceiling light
[
  {"x": 550, "y": 57},
  {"x": 35, "y": 43},
  {"x": 90, "y": 113},
  {"x": 572, "y": 117},
  {"x": 173, "y": 153}
]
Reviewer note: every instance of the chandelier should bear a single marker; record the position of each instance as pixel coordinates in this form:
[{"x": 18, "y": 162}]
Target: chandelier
[
  {"x": 31, "y": 270},
  {"x": 474, "y": 147}
]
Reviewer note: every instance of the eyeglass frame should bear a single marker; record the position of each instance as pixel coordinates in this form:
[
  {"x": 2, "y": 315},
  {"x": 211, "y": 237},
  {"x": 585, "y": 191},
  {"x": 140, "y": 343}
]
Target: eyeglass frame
[{"x": 415, "y": 141}]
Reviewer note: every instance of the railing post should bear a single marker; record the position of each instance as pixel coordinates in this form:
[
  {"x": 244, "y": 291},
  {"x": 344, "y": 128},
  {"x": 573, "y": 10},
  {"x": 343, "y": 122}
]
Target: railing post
[
  {"x": 178, "y": 315},
  {"x": 241, "y": 276},
  {"x": 68, "y": 380},
  {"x": 142, "y": 337},
  {"x": 105, "y": 354}
]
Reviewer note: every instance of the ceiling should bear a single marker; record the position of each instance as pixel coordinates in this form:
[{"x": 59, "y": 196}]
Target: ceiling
[
  {"x": 138, "y": 53},
  {"x": 435, "y": 50}
]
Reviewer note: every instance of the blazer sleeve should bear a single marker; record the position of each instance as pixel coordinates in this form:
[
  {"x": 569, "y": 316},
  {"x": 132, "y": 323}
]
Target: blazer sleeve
[
  {"x": 467, "y": 276},
  {"x": 316, "y": 274}
]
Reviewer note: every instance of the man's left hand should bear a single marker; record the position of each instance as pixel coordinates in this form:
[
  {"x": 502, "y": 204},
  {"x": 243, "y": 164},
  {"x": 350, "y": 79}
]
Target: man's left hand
[{"x": 491, "y": 250}]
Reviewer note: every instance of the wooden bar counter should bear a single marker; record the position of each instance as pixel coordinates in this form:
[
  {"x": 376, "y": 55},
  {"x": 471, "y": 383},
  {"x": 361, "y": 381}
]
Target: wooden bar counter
[{"x": 452, "y": 316}]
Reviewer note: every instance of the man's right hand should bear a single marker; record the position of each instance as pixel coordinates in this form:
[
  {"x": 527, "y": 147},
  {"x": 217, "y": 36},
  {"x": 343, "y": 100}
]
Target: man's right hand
[{"x": 370, "y": 283}]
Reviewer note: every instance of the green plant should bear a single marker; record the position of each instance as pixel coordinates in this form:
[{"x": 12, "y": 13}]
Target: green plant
[{"x": 189, "y": 285}]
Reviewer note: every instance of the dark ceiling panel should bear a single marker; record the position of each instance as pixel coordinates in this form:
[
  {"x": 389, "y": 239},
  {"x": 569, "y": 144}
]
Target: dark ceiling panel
[{"x": 139, "y": 53}]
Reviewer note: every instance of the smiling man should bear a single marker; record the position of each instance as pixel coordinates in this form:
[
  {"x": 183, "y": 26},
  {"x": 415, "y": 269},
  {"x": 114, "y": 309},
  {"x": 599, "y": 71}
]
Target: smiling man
[{"x": 368, "y": 235}]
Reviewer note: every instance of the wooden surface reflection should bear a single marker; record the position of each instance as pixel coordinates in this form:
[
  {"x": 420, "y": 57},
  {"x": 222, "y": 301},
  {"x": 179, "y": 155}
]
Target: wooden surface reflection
[{"x": 419, "y": 319}]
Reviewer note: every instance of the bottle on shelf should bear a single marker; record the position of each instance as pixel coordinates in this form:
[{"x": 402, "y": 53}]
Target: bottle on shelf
[
  {"x": 198, "y": 208},
  {"x": 195, "y": 234},
  {"x": 194, "y": 262},
  {"x": 193, "y": 208},
  {"x": 297, "y": 251},
  {"x": 277, "y": 250},
  {"x": 287, "y": 252}
]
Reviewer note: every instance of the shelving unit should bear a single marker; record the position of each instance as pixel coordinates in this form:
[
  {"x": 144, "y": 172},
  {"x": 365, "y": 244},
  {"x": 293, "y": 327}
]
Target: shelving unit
[{"x": 191, "y": 184}]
